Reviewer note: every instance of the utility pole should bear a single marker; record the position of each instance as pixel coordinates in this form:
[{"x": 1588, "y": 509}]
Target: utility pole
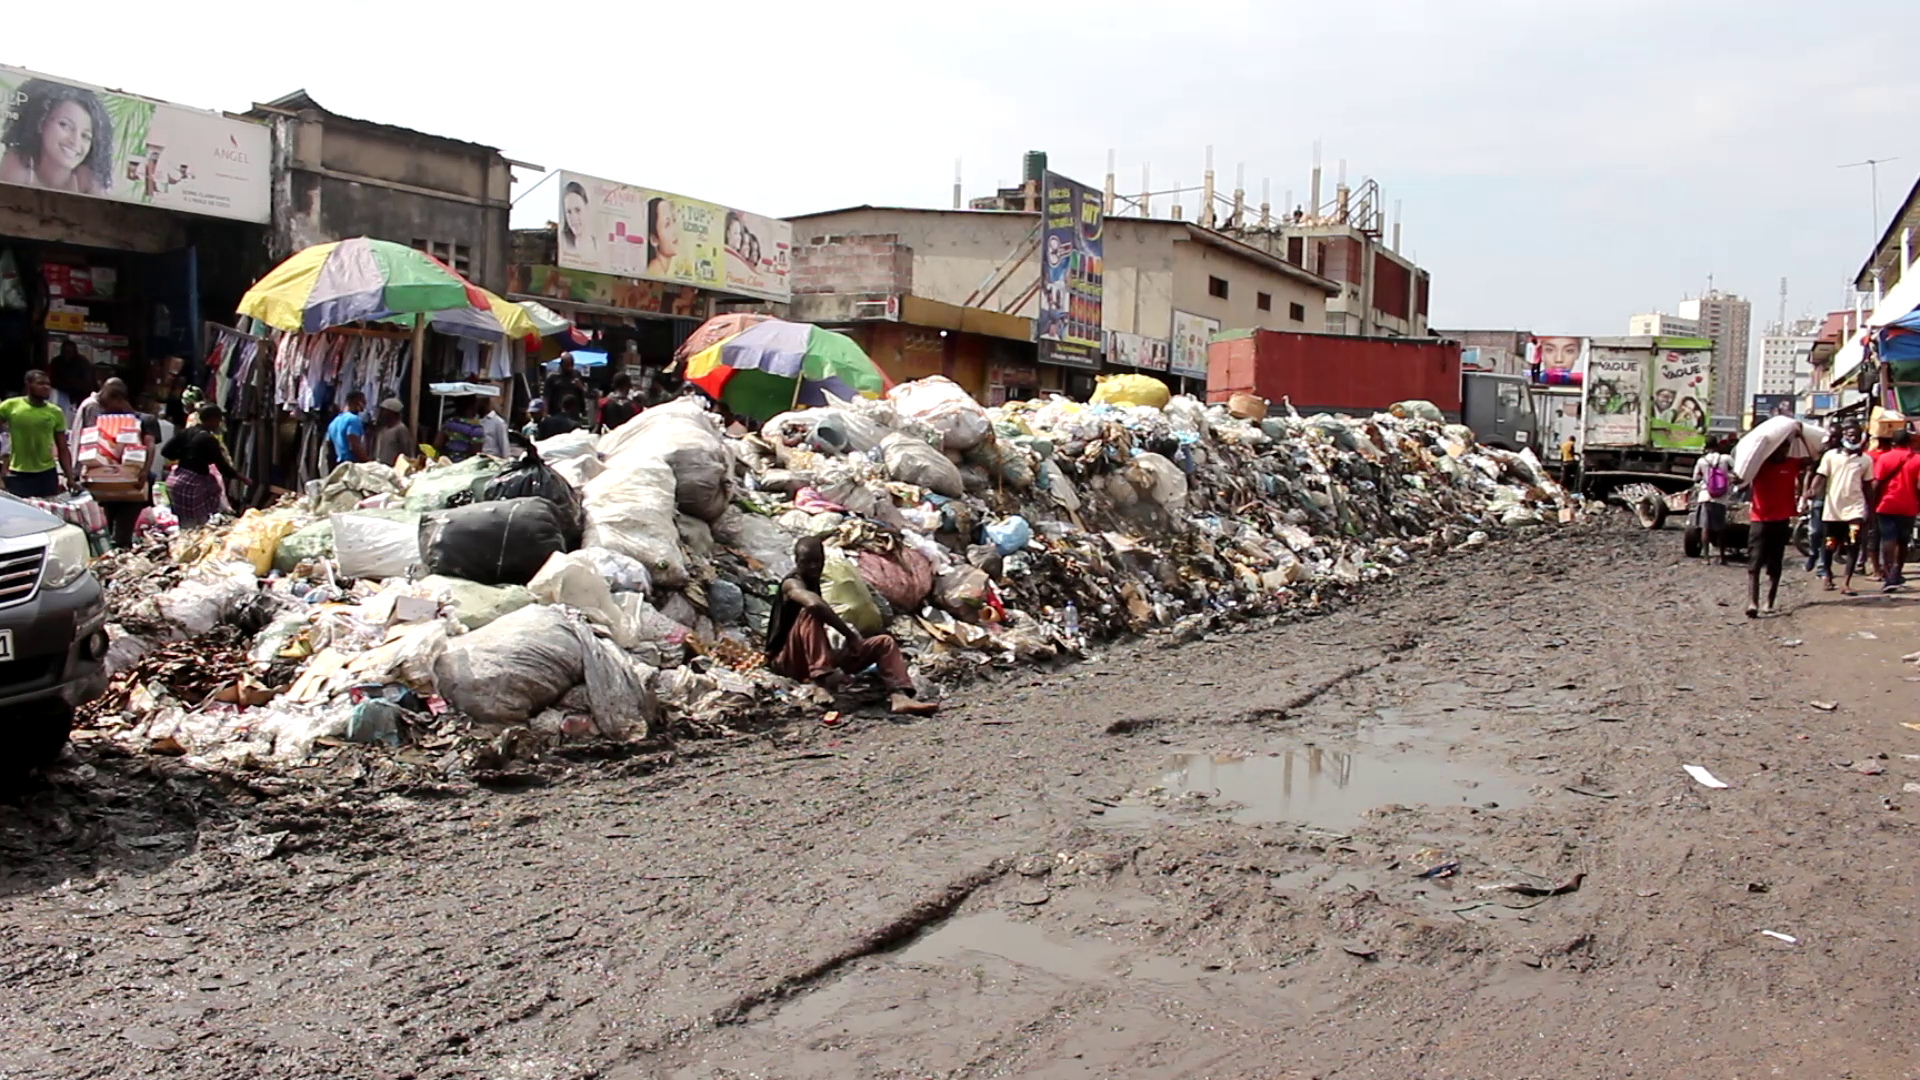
[{"x": 1873, "y": 172}]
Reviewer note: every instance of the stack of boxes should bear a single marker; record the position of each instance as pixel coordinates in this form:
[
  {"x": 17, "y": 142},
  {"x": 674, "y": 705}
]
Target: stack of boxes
[{"x": 112, "y": 459}]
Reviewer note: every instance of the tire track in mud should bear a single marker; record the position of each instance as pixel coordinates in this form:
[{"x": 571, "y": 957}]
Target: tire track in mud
[{"x": 931, "y": 909}]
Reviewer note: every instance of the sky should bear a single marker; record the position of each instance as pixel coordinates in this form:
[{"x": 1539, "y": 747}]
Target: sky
[{"x": 1560, "y": 167}]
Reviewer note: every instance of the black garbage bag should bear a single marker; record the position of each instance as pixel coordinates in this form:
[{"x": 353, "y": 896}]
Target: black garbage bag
[
  {"x": 530, "y": 477},
  {"x": 503, "y": 542}
]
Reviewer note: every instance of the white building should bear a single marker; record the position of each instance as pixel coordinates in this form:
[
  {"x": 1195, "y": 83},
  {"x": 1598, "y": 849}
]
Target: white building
[
  {"x": 1728, "y": 320},
  {"x": 1784, "y": 366},
  {"x": 1659, "y": 324}
]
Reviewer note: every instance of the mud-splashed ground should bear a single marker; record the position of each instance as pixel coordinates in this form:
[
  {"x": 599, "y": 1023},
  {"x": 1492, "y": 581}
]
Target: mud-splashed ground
[{"x": 1203, "y": 861}]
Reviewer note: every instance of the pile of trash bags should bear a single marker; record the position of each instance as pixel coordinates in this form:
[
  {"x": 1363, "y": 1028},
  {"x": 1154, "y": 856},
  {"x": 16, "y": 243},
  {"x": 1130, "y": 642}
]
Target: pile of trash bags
[{"x": 599, "y": 587}]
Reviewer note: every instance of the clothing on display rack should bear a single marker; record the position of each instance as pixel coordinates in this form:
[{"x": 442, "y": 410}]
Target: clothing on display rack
[{"x": 314, "y": 370}]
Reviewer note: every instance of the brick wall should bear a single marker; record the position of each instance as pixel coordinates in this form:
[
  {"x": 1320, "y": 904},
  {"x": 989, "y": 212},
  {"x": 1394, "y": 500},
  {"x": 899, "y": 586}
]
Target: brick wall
[{"x": 867, "y": 263}]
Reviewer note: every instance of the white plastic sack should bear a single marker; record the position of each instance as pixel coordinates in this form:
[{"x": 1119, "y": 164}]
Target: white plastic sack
[
  {"x": 352, "y": 481},
  {"x": 579, "y": 469},
  {"x": 940, "y": 403},
  {"x": 365, "y": 546},
  {"x": 1757, "y": 445},
  {"x": 630, "y": 511},
  {"x": 573, "y": 444},
  {"x": 570, "y": 578},
  {"x": 911, "y": 461},
  {"x": 689, "y": 440},
  {"x": 619, "y": 689},
  {"x": 514, "y": 667},
  {"x": 1160, "y": 480},
  {"x": 621, "y": 571},
  {"x": 207, "y": 597}
]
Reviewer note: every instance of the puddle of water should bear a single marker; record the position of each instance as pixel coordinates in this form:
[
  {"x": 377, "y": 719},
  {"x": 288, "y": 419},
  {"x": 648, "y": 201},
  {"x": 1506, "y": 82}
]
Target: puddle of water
[
  {"x": 993, "y": 935},
  {"x": 1331, "y": 788}
]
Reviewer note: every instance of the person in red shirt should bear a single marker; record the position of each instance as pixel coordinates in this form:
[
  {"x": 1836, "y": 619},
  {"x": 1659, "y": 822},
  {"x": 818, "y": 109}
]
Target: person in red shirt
[
  {"x": 1776, "y": 494},
  {"x": 1896, "y": 501}
]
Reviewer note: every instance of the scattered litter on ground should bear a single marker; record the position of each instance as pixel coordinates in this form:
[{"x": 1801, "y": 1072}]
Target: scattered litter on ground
[
  {"x": 1706, "y": 779},
  {"x": 1778, "y": 936}
]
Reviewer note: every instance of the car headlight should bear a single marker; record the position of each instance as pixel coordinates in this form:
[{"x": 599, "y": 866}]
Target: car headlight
[{"x": 66, "y": 557}]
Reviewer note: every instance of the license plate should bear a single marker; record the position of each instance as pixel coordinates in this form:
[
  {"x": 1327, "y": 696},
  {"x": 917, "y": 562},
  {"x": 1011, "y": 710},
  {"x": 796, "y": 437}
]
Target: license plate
[{"x": 6, "y": 645}]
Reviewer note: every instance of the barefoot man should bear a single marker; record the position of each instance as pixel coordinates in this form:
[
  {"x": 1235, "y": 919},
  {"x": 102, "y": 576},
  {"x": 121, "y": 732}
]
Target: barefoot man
[{"x": 798, "y": 646}]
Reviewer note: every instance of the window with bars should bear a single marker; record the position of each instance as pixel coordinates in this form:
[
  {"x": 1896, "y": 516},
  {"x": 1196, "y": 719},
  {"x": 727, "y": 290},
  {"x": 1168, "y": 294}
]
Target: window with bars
[{"x": 458, "y": 256}]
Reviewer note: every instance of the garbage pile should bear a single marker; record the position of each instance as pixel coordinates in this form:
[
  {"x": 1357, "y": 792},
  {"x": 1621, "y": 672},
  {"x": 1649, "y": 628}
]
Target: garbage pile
[{"x": 603, "y": 586}]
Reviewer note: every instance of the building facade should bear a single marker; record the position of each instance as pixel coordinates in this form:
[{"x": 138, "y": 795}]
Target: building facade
[
  {"x": 1659, "y": 324},
  {"x": 335, "y": 177},
  {"x": 1497, "y": 352},
  {"x": 1728, "y": 320},
  {"x": 115, "y": 267},
  {"x": 1162, "y": 278},
  {"x": 1785, "y": 366}
]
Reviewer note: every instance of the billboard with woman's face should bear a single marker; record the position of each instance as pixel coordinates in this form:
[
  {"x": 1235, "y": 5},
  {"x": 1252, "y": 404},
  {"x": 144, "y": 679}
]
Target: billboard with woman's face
[
  {"x": 635, "y": 232},
  {"x": 82, "y": 140}
]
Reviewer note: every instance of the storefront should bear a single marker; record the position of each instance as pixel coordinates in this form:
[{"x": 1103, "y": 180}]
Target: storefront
[
  {"x": 990, "y": 354},
  {"x": 124, "y": 223}
]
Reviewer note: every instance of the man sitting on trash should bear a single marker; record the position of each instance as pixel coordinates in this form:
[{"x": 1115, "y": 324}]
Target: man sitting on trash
[{"x": 798, "y": 646}]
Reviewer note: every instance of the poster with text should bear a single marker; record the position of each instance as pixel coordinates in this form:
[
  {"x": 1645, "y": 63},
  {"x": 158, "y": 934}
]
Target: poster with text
[
  {"x": 612, "y": 228},
  {"x": 1072, "y": 272},
  {"x": 1191, "y": 333},
  {"x": 1766, "y": 406},
  {"x": 1614, "y": 391},
  {"x": 1680, "y": 399},
  {"x": 83, "y": 140},
  {"x": 1138, "y": 351}
]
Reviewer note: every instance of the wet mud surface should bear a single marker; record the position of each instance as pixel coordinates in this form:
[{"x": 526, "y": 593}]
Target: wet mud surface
[{"x": 1442, "y": 833}]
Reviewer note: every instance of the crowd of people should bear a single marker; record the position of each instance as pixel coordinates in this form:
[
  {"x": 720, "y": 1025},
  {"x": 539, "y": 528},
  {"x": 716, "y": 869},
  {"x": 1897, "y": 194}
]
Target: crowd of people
[
  {"x": 1860, "y": 503},
  {"x": 184, "y": 448}
]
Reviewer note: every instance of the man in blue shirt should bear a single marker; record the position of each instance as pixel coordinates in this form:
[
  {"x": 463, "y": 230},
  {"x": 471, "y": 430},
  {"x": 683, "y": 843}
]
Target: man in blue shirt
[{"x": 347, "y": 434}]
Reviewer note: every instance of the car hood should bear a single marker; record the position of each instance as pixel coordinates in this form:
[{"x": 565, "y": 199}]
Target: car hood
[{"x": 18, "y": 518}]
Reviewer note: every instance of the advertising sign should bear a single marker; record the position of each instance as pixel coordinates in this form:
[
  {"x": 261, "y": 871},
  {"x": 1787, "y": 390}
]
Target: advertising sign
[
  {"x": 1191, "y": 333},
  {"x": 636, "y": 232},
  {"x": 1681, "y": 402},
  {"x": 1557, "y": 361},
  {"x": 1825, "y": 403},
  {"x": 1615, "y": 415},
  {"x": 1072, "y": 272},
  {"x": 1770, "y": 405},
  {"x": 1137, "y": 351},
  {"x": 83, "y": 140}
]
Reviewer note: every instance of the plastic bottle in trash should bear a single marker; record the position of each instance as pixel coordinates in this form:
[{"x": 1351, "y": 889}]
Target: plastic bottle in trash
[{"x": 1072, "y": 615}]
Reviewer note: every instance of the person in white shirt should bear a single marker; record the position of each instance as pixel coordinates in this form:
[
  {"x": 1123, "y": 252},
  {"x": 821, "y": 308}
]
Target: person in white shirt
[
  {"x": 493, "y": 441},
  {"x": 1713, "y": 481},
  {"x": 1845, "y": 511}
]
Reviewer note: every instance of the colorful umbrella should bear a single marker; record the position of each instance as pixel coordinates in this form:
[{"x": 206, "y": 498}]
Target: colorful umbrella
[
  {"x": 776, "y": 365},
  {"x": 716, "y": 330},
  {"x": 498, "y": 320},
  {"x": 356, "y": 280},
  {"x": 550, "y": 322}
]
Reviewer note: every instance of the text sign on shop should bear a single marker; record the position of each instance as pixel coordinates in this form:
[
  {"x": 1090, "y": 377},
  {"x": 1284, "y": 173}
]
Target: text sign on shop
[
  {"x": 83, "y": 140},
  {"x": 635, "y": 232}
]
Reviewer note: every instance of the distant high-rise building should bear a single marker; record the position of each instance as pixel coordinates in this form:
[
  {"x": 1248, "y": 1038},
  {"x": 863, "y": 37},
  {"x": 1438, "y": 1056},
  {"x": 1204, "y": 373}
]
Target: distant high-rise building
[
  {"x": 1728, "y": 320},
  {"x": 1658, "y": 324},
  {"x": 1784, "y": 352}
]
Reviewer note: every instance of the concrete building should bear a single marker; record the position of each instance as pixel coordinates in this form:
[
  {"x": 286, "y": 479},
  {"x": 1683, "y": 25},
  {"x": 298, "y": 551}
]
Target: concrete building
[
  {"x": 1659, "y": 324},
  {"x": 1728, "y": 320},
  {"x": 1499, "y": 352},
  {"x": 164, "y": 241},
  {"x": 335, "y": 177},
  {"x": 859, "y": 264},
  {"x": 1785, "y": 367}
]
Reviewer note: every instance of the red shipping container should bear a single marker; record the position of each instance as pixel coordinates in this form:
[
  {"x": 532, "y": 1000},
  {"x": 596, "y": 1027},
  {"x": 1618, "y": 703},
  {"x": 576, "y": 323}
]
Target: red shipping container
[{"x": 1335, "y": 372}]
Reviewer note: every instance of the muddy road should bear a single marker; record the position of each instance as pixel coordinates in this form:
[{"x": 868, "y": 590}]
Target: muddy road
[{"x": 1442, "y": 833}]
